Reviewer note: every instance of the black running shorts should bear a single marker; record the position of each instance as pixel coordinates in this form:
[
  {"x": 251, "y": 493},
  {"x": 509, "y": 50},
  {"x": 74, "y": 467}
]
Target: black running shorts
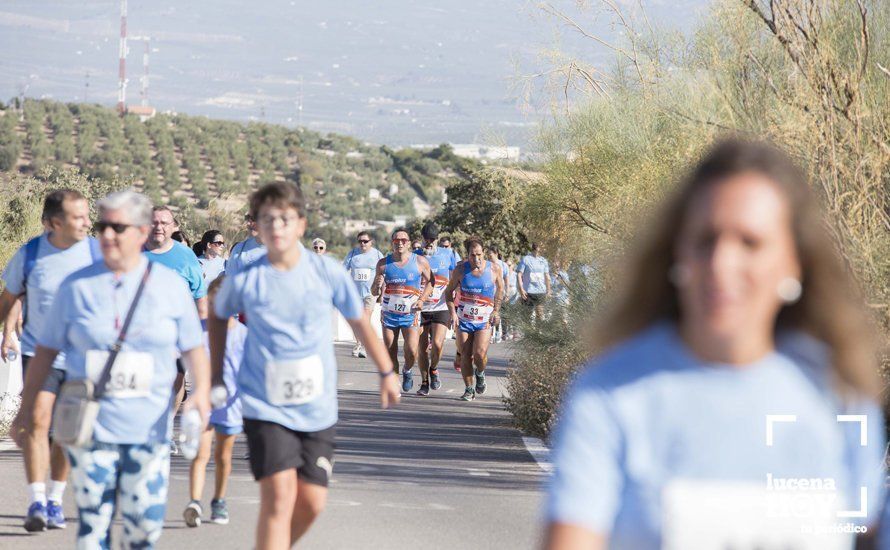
[
  {"x": 54, "y": 379},
  {"x": 274, "y": 448},
  {"x": 441, "y": 317}
]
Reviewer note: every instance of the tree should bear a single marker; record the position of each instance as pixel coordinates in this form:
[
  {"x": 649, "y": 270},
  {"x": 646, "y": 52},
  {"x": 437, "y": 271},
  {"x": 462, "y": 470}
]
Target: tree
[{"x": 483, "y": 203}]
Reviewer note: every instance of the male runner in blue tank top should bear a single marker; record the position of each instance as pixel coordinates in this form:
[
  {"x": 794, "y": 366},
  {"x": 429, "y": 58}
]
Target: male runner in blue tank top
[
  {"x": 434, "y": 316},
  {"x": 481, "y": 287},
  {"x": 404, "y": 278}
]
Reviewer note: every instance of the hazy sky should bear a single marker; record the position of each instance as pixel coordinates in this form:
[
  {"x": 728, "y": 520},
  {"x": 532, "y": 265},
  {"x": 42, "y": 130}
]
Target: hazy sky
[{"x": 398, "y": 72}]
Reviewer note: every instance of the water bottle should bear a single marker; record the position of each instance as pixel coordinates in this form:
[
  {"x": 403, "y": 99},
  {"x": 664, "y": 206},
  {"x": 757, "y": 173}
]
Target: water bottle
[
  {"x": 190, "y": 433},
  {"x": 218, "y": 396},
  {"x": 11, "y": 356}
]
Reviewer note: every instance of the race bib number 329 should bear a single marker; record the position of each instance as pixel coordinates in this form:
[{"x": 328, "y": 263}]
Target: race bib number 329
[{"x": 294, "y": 382}]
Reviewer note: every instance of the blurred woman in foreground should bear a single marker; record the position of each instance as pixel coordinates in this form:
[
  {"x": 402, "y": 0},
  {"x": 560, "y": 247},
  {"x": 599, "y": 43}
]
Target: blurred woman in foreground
[{"x": 737, "y": 308}]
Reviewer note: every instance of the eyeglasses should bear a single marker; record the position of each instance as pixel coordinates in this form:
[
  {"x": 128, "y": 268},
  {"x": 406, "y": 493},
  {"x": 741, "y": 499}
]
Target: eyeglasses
[
  {"x": 116, "y": 227},
  {"x": 364, "y": 241},
  {"x": 218, "y": 243},
  {"x": 400, "y": 241},
  {"x": 271, "y": 221}
]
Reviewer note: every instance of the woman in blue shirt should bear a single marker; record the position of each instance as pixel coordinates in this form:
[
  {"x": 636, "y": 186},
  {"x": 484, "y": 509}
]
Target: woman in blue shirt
[
  {"x": 739, "y": 375},
  {"x": 127, "y": 463}
]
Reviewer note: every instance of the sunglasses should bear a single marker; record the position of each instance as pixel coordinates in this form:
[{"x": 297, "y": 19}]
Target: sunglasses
[
  {"x": 318, "y": 247},
  {"x": 116, "y": 227},
  {"x": 220, "y": 243},
  {"x": 364, "y": 241},
  {"x": 400, "y": 241}
]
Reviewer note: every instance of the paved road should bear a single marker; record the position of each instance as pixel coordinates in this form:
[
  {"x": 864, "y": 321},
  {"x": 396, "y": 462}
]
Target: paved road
[{"x": 433, "y": 473}]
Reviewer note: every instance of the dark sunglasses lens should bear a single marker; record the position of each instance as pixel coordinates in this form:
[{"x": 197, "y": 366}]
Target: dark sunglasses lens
[
  {"x": 116, "y": 227},
  {"x": 364, "y": 241}
]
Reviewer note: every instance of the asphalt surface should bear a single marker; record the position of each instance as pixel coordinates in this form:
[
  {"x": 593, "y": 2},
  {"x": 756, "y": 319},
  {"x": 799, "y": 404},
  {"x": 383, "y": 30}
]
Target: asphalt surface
[{"x": 433, "y": 473}]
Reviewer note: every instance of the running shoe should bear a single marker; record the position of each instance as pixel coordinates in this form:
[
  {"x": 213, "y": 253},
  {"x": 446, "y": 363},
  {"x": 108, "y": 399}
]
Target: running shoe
[
  {"x": 435, "y": 383},
  {"x": 174, "y": 448},
  {"x": 480, "y": 382},
  {"x": 192, "y": 514},
  {"x": 424, "y": 390},
  {"x": 55, "y": 517},
  {"x": 361, "y": 352},
  {"x": 355, "y": 350},
  {"x": 407, "y": 381},
  {"x": 469, "y": 394},
  {"x": 219, "y": 512},
  {"x": 36, "y": 518}
]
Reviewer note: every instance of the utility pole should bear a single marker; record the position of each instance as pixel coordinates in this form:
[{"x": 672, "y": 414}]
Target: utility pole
[{"x": 122, "y": 68}]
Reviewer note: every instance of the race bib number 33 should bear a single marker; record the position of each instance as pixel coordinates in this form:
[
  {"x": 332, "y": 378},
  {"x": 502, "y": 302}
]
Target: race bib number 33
[
  {"x": 131, "y": 374},
  {"x": 294, "y": 382}
]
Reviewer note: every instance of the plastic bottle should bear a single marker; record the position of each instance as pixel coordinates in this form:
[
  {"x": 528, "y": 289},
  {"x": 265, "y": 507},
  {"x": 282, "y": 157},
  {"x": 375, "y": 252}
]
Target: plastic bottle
[
  {"x": 218, "y": 396},
  {"x": 190, "y": 433},
  {"x": 11, "y": 356}
]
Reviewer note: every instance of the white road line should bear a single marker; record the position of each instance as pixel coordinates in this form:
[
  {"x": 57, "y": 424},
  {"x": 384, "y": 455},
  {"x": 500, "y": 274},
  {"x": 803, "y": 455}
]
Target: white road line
[
  {"x": 478, "y": 473},
  {"x": 539, "y": 451},
  {"x": 450, "y": 391},
  {"x": 7, "y": 445}
]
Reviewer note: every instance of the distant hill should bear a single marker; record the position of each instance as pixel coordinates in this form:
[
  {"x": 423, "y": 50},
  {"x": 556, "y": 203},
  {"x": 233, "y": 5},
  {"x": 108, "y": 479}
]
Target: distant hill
[{"x": 180, "y": 160}]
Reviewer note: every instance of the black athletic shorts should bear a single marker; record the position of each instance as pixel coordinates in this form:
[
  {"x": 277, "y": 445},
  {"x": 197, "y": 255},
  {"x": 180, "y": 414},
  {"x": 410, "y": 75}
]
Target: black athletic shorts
[
  {"x": 180, "y": 366},
  {"x": 54, "y": 379},
  {"x": 535, "y": 299},
  {"x": 274, "y": 448},
  {"x": 441, "y": 317}
]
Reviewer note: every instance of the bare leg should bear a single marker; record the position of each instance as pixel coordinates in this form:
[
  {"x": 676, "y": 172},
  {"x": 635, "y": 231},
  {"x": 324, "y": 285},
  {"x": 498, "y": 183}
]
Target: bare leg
[
  {"x": 423, "y": 358},
  {"x": 466, "y": 358},
  {"x": 391, "y": 341},
  {"x": 36, "y": 449},
  {"x": 480, "y": 349},
  {"x": 198, "y": 467},
  {"x": 438, "y": 333},
  {"x": 311, "y": 500},
  {"x": 411, "y": 336},
  {"x": 179, "y": 391},
  {"x": 222, "y": 455},
  {"x": 58, "y": 464},
  {"x": 278, "y": 494}
]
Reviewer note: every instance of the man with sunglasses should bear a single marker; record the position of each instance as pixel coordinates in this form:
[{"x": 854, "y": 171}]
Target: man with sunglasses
[
  {"x": 361, "y": 263},
  {"x": 404, "y": 278},
  {"x": 247, "y": 251},
  {"x": 445, "y": 242},
  {"x": 434, "y": 316},
  {"x": 36, "y": 271}
]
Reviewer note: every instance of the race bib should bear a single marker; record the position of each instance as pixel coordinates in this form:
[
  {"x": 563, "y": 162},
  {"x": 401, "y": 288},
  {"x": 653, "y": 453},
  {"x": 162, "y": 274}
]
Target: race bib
[
  {"x": 475, "y": 313},
  {"x": 399, "y": 303},
  {"x": 536, "y": 278},
  {"x": 361, "y": 275},
  {"x": 437, "y": 294},
  {"x": 295, "y": 381},
  {"x": 131, "y": 374}
]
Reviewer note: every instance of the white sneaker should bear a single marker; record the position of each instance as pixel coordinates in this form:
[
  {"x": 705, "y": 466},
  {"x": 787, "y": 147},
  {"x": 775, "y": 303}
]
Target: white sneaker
[
  {"x": 356, "y": 350},
  {"x": 192, "y": 514},
  {"x": 362, "y": 353}
]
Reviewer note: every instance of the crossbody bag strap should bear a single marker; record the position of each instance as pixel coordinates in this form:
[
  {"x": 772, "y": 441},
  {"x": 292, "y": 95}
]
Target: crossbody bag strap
[{"x": 116, "y": 348}]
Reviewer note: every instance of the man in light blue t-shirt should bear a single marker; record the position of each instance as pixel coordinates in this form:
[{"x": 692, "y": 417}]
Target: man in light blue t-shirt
[
  {"x": 361, "y": 263},
  {"x": 35, "y": 273},
  {"x": 247, "y": 251},
  {"x": 162, "y": 249},
  {"x": 288, "y": 377},
  {"x": 533, "y": 280}
]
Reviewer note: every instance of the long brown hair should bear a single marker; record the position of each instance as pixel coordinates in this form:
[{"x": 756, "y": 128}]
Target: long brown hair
[{"x": 829, "y": 309}]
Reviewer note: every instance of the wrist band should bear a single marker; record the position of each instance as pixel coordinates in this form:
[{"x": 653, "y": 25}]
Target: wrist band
[{"x": 387, "y": 373}]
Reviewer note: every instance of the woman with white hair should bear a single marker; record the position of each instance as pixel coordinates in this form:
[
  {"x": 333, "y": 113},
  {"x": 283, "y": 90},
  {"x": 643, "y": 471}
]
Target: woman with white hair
[{"x": 121, "y": 322}]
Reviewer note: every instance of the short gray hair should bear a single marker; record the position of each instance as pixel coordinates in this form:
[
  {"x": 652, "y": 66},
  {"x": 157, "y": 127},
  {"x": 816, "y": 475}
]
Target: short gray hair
[{"x": 136, "y": 205}]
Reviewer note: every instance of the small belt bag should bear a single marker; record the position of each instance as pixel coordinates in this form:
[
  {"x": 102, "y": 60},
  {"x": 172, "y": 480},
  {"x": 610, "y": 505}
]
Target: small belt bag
[{"x": 77, "y": 406}]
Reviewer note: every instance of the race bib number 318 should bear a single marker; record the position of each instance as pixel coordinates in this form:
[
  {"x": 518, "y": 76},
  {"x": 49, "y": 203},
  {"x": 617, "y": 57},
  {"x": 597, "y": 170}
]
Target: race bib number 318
[{"x": 294, "y": 382}]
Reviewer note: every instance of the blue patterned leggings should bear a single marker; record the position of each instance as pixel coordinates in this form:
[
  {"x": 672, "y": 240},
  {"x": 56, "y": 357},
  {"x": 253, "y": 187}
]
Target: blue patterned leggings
[{"x": 133, "y": 477}]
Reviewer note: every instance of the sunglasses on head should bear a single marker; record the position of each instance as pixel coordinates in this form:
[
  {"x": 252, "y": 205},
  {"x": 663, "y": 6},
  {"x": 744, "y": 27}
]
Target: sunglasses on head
[{"x": 116, "y": 227}]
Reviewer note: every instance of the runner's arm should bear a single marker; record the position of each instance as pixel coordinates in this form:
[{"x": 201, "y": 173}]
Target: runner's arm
[
  {"x": 10, "y": 326},
  {"x": 547, "y": 281},
  {"x": 195, "y": 361},
  {"x": 453, "y": 283},
  {"x": 426, "y": 277},
  {"x": 217, "y": 331},
  {"x": 377, "y": 286},
  {"x": 7, "y": 303},
  {"x": 201, "y": 305},
  {"x": 498, "y": 295},
  {"x": 564, "y": 536}
]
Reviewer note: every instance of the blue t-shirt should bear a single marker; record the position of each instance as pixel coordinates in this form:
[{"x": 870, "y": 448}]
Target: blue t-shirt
[
  {"x": 288, "y": 336},
  {"x": 50, "y": 269},
  {"x": 230, "y": 414},
  {"x": 533, "y": 270},
  {"x": 211, "y": 268},
  {"x": 362, "y": 267},
  {"x": 648, "y": 412},
  {"x": 441, "y": 266},
  {"x": 243, "y": 254},
  {"x": 85, "y": 319},
  {"x": 183, "y": 261}
]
